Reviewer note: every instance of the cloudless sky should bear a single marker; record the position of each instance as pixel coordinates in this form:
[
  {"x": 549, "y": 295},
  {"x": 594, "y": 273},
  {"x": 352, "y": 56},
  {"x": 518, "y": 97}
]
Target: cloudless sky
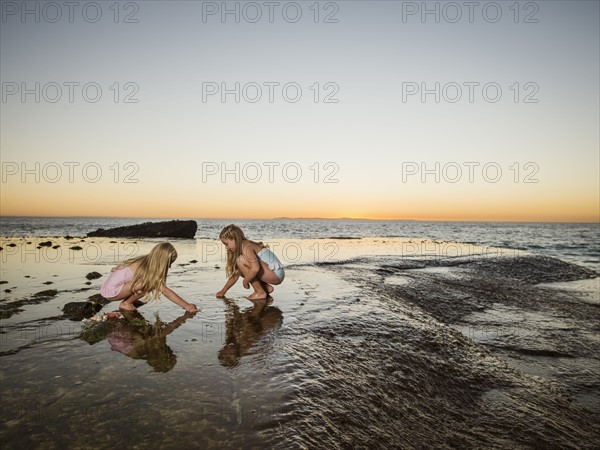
[{"x": 147, "y": 132}]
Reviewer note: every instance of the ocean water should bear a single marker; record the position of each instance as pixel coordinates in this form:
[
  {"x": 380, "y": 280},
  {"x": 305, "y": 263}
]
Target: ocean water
[{"x": 572, "y": 242}]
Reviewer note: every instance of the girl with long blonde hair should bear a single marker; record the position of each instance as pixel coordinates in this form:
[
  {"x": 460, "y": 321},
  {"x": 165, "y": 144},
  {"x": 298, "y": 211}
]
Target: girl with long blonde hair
[
  {"x": 143, "y": 276},
  {"x": 254, "y": 261}
]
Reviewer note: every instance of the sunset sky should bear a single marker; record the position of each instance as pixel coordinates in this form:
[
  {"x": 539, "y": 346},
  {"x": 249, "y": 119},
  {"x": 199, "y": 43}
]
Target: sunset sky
[{"x": 128, "y": 120}]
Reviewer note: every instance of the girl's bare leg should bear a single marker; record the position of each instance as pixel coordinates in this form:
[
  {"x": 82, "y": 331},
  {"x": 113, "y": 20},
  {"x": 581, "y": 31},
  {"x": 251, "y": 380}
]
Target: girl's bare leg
[
  {"x": 259, "y": 291},
  {"x": 127, "y": 297},
  {"x": 127, "y": 304},
  {"x": 267, "y": 287}
]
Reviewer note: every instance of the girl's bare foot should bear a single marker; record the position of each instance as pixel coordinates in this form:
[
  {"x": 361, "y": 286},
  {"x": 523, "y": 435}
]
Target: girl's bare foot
[
  {"x": 257, "y": 296},
  {"x": 127, "y": 307}
]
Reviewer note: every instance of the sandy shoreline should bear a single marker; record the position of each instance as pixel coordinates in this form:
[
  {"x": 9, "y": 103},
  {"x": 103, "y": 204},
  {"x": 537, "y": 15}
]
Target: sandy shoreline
[{"x": 385, "y": 342}]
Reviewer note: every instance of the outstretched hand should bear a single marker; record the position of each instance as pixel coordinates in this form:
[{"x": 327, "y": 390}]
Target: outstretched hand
[
  {"x": 220, "y": 294},
  {"x": 191, "y": 308}
]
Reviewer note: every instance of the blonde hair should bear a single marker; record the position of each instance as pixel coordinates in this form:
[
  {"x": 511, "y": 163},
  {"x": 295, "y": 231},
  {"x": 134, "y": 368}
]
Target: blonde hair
[
  {"x": 236, "y": 234},
  {"x": 151, "y": 271}
]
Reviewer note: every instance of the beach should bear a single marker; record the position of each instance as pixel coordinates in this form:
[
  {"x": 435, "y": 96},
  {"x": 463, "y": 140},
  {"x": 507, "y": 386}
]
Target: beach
[
  {"x": 426, "y": 173},
  {"x": 384, "y": 342}
]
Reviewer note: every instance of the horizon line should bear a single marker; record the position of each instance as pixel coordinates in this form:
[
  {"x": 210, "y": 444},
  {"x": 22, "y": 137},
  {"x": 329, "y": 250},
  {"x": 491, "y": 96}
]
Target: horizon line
[{"x": 310, "y": 218}]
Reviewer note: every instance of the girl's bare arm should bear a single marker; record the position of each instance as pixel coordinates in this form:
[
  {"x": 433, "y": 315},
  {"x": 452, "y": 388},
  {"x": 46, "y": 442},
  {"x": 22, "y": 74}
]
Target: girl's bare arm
[
  {"x": 230, "y": 282},
  {"x": 171, "y": 295}
]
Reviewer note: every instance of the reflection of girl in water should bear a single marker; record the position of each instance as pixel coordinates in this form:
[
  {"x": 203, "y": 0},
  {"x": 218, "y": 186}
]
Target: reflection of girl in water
[
  {"x": 139, "y": 339},
  {"x": 244, "y": 329}
]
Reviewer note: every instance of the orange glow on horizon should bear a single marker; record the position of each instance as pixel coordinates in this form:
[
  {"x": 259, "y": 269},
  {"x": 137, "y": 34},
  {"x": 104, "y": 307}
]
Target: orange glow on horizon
[{"x": 138, "y": 201}]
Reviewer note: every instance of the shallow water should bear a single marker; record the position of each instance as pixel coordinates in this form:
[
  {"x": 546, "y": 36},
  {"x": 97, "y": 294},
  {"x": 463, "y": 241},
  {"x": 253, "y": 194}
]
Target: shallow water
[
  {"x": 211, "y": 378},
  {"x": 340, "y": 359}
]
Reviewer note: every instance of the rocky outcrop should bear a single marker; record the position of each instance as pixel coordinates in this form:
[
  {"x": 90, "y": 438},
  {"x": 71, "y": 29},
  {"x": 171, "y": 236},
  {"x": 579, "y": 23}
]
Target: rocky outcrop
[
  {"x": 83, "y": 310},
  {"x": 173, "y": 229}
]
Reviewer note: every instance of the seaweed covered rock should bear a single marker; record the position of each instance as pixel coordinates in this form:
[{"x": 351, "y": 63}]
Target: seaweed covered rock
[
  {"x": 84, "y": 310},
  {"x": 97, "y": 332},
  {"x": 173, "y": 228}
]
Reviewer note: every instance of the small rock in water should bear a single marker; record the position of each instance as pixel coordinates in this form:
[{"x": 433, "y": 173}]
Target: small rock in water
[
  {"x": 93, "y": 275},
  {"x": 193, "y": 261},
  {"x": 3, "y": 282},
  {"x": 49, "y": 282},
  {"x": 8, "y": 291},
  {"x": 55, "y": 246},
  {"x": 45, "y": 244},
  {"x": 11, "y": 245},
  {"x": 48, "y": 293},
  {"x": 76, "y": 247}
]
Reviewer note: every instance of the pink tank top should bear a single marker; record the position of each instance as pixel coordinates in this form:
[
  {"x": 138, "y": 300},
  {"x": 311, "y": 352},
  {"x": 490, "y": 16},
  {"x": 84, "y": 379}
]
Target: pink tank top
[{"x": 115, "y": 282}]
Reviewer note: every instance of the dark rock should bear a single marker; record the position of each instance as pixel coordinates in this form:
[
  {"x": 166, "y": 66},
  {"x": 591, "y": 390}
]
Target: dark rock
[
  {"x": 98, "y": 299},
  {"x": 93, "y": 275},
  {"x": 45, "y": 244},
  {"x": 48, "y": 282},
  {"x": 76, "y": 247},
  {"x": 3, "y": 282},
  {"x": 8, "y": 291},
  {"x": 11, "y": 245},
  {"x": 193, "y": 261},
  {"x": 98, "y": 331},
  {"x": 56, "y": 246},
  {"x": 172, "y": 228},
  {"x": 83, "y": 310},
  {"x": 48, "y": 293},
  {"x": 67, "y": 237}
]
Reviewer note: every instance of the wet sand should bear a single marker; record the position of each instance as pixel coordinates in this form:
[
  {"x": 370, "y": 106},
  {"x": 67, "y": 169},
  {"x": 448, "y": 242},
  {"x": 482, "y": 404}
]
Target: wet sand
[{"x": 384, "y": 343}]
